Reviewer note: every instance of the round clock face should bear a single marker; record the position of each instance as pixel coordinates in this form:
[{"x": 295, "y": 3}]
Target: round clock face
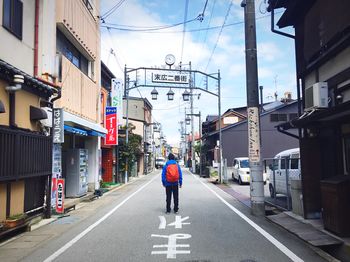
[{"x": 170, "y": 59}]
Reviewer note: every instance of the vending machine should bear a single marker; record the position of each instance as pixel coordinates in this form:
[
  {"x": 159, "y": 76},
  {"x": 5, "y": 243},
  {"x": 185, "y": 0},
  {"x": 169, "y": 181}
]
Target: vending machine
[{"x": 76, "y": 172}]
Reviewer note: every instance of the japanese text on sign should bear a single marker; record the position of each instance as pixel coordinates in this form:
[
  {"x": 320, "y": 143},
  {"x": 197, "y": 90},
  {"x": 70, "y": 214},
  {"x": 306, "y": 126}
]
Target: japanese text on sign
[
  {"x": 171, "y": 78},
  {"x": 253, "y": 136},
  {"x": 60, "y": 196},
  {"x": 58, "y": 126},
  {"x": 111, "y": 126}
]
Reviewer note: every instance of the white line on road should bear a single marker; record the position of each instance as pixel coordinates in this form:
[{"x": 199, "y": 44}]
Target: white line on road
[
  {"x": 273, "y": 240},
  {"x": 91, "y": 227}
]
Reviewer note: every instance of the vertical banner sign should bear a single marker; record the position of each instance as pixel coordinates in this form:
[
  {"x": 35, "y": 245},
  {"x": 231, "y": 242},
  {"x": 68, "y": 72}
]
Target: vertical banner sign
[
  {"x": 56, "y": 171},
  {"x": 60, "y": 196},
  {"x": 117, "y": 91},
  {"x": 111, "y": 126},
  {"x": 58, "y": 126},
  {"x": 254, "y": 138}
]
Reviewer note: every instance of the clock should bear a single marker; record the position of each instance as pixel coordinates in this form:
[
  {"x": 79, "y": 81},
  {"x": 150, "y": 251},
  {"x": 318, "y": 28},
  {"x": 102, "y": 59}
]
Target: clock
[{"x": 170, "y": 59}]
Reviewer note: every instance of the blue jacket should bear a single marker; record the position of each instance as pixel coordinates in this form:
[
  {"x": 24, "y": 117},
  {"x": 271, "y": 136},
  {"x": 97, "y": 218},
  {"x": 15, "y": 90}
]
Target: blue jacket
[{"x": 166, "y": 183}]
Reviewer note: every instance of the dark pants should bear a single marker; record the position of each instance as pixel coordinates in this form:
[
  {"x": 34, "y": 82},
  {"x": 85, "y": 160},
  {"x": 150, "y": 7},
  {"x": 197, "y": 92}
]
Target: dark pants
[{"x": 175, "y": 191}]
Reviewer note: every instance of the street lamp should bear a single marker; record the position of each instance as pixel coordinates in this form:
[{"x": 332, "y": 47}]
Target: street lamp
[
  {"x": 154, "y": 94},
  {"x": 186, "y": 95},
  {"x": 170, "y": 94}
]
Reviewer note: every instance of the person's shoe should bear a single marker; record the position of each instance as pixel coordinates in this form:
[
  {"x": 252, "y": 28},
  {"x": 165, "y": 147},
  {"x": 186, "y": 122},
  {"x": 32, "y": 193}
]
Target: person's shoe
[
  {"x": 167, "y": 212},
  {"x": 176, "y": 212}
]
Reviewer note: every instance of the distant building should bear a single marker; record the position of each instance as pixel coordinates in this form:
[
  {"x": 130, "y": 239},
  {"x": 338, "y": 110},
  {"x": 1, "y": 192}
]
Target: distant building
[{"x": 235, "y": 135}]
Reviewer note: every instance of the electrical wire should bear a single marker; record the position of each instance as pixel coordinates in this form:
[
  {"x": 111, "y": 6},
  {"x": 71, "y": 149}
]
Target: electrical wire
[
  {"x": 112, "y": 10},
  {"x": 187, "y": 31},
  {"x": 140, "y": 29},
  {"x": 217, "y": 40},
  {"x": 184, "y": 30}
]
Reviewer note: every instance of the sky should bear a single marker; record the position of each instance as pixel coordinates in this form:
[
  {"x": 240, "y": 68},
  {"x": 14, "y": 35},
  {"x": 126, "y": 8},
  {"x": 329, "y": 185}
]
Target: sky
[{"x": 208, "y": 45}]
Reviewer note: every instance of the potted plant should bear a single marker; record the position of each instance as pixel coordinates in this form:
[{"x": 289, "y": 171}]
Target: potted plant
[{"x": 15, "y": 220}]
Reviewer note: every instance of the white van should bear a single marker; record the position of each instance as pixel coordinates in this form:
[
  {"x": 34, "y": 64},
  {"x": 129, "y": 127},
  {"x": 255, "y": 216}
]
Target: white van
[
  {"x": 285, "y": 164},
  {"x": 241, "y": 170}
]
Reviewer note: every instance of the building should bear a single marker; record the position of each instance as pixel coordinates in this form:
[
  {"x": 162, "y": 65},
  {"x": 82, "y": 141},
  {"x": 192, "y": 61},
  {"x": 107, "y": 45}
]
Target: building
[
  {"x": 25, "y": 99},
  {"x": 77, "y": 42},
  {"x": 322, "y": 44},
  {"x": 109, "y": 158},
  {"x": 235, "y": 133},
  {"x": 140, "y": 116}
]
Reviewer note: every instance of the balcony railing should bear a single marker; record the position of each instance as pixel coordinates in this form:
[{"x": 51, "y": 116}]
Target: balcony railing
[{"x": 24, "y": 154}]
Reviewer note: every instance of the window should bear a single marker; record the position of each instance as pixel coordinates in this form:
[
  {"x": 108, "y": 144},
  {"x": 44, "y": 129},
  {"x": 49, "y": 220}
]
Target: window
[
  {"x": 278, "y": 117},
  {"x": 13, "y": 17},
  {"x": 284, "y": 163},
  {"x": 274, "y": 117},
  {"x": 72, "y": 53},
  {"x": 293, "y": 116}
]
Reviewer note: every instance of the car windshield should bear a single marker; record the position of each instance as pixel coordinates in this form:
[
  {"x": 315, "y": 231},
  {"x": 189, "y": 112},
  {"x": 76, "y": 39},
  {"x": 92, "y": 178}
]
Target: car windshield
[{"x": 244, "y": 163}]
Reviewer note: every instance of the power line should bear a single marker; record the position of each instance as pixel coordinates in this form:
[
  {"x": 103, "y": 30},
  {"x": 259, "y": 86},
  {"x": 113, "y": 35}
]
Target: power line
[
  {"x": 112, "y": 10},
  {"x": 217, "y": 40},
  {"x": 184, "y": 30},
  {"x": 187, "y": 31},
  {"x": 140, "y": 29}
]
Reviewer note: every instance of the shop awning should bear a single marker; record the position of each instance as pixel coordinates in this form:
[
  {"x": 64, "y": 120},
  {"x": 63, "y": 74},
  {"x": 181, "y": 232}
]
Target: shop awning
[
  {"x": 95, "y": 133},
  {"x": 73, "y": 120},
  {"x": 75, "y": 130}
]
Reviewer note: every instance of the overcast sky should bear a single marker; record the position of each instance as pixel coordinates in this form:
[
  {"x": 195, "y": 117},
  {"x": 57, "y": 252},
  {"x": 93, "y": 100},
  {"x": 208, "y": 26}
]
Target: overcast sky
[{"x": 209, "y": 46}]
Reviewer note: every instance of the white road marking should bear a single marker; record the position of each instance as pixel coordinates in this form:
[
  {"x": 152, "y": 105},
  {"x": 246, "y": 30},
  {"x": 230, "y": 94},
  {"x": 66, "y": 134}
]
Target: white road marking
[
  {"x": 179, "y": 222},
  {"x": 91, "y": 227},
  {"x": 171, "y": 246},
  {"x": 269, "y": 237},
  {"x": 162, "y": 223}
]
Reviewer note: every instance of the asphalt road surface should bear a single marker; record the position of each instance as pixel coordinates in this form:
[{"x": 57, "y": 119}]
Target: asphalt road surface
[{"x": 130, "y": 224}]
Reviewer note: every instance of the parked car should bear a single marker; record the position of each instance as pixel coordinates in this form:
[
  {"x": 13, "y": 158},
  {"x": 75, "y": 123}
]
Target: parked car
[
  {"x": 160, "y": 162},
  {"x": 241, "y": 170},
  {"x": 285, "y": 164}
]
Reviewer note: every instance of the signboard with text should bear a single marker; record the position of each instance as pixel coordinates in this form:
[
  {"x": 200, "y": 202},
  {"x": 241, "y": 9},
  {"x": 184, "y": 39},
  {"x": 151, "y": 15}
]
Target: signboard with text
[
  {"x": 60, "y": 196},
  {"x": 111, "y": 126},
  {"x": 254, "y": 134},
  {"x": 58, "y": 126},
  {"x": 171, "y": 77},
  {"x": 117, "y": 98}
]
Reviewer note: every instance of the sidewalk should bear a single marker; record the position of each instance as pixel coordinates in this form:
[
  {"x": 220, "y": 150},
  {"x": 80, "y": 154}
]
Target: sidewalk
[{"x": 312, "y": 232}]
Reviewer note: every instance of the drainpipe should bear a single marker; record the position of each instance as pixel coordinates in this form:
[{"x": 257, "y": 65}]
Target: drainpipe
[
  {"x": 18, "y": 80},
  {"x": 36, "y": 37}
]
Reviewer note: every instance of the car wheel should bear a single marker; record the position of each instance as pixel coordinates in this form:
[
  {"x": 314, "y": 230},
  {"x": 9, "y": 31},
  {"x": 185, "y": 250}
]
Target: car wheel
[
  {"x": 239, "y": 180},
  {"x": 272, "y": 191}
]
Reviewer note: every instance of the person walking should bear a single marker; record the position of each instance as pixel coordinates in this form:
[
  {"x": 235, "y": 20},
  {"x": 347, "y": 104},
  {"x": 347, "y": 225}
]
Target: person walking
[{"x": 172, "y": 179}]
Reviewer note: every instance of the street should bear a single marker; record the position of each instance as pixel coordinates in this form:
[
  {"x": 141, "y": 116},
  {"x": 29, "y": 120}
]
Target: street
[{"x": 130, "y": 224}]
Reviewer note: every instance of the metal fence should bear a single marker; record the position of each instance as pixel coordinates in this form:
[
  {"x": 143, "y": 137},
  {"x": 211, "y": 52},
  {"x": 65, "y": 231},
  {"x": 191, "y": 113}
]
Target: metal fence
[
  {"x": 24, "y": 154},
  {"x": 282, "y": 174}
]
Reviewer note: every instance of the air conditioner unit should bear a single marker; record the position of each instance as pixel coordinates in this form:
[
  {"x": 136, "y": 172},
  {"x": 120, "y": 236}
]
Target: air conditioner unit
[
  {"x": 47, "y": 122},
  {"x": 316, "y": 96}
]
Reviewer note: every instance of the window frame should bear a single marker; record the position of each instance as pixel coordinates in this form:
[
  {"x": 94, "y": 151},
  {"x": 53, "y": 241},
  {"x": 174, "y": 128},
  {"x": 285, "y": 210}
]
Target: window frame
[{"x": 14, "y": 25}]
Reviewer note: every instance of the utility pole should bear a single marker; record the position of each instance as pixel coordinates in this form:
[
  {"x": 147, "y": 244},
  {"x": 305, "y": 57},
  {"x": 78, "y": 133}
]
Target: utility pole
[
  {"x": 254, "y": 146},
  {"x": 192, "y": 125}
]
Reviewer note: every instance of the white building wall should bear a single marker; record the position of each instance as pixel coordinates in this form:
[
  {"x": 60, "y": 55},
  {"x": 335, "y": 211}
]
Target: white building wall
[
  {"x": 92, "y": 144},
  {"x": 16, "y": 52}
]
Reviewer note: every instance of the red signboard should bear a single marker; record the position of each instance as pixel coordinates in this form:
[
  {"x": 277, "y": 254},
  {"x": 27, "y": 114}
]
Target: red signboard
[
  {"x": 60, "y": 196},
  {"x": 111, "y": 126}
]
